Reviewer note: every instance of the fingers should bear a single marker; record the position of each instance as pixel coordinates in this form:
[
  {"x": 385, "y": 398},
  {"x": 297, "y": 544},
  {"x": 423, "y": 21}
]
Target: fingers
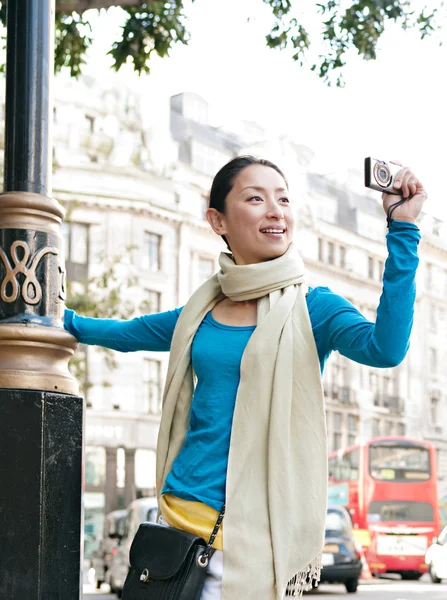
[{"x": 407, "y": 181}]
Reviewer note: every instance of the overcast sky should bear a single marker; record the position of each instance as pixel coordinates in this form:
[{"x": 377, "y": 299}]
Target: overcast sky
[{"x": 393, "y": 107}]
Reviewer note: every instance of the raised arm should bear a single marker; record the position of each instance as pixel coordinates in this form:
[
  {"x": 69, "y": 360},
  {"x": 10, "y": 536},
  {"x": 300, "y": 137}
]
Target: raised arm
[
  {"x": 338, "y": 325},
  {"x": 149, "y": 332}
]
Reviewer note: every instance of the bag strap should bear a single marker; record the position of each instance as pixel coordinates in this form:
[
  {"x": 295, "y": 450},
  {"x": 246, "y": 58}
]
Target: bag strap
[{"x": 205, "y": 557}]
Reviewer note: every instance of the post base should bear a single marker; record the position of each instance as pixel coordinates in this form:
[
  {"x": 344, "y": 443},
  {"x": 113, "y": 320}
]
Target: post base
[
  {"x": 34, "y": 357},
  {"x": 40, "y": 495}
]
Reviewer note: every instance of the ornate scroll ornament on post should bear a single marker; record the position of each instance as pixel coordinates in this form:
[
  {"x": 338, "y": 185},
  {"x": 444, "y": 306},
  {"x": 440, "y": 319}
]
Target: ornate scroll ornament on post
[{"x": 25, "y": 267}]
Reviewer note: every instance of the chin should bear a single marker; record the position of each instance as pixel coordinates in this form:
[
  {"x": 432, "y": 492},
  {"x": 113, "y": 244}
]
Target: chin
[{"x": 272, "y": 253}]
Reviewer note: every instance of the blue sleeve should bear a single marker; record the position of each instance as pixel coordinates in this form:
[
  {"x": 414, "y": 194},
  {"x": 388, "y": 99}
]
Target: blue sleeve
[
  {"x": 149, "y": 332},
  {"x": 338, "y": 325}
]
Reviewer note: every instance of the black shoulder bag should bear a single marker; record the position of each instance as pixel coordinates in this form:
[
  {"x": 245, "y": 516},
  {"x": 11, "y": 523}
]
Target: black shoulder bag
[{"x": 167, "y": 563}]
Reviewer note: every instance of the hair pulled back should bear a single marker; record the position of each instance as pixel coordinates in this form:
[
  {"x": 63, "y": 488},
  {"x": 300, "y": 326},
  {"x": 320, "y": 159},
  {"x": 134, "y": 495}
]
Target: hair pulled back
[{"x": 224, "y": 180}]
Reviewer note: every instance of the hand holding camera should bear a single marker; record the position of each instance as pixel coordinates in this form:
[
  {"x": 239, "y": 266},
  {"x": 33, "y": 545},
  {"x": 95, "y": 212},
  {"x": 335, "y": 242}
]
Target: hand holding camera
[{"x": 394, "y": 180}]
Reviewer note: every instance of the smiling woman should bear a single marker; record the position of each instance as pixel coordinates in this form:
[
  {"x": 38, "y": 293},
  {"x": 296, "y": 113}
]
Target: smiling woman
[
  {"x": 254, "y": 216},
  {"x": 249, "y": 202},
  {"x": 243, "y": 423}
]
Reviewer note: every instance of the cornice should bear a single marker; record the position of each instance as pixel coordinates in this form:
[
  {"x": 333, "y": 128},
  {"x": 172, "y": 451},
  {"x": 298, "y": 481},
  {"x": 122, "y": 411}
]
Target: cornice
[{"x": 135, "y": 206}]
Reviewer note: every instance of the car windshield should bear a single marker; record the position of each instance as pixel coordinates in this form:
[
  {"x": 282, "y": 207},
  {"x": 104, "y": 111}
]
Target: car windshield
[{"x": 336, "y": 521}]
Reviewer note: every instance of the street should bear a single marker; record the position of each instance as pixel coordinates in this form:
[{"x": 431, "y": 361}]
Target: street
[{"x": 377, "y": 590}]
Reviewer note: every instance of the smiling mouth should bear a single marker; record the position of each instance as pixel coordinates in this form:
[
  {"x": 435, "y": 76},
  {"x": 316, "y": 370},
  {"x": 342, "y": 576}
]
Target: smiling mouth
[{"x": 273, "y": 231}]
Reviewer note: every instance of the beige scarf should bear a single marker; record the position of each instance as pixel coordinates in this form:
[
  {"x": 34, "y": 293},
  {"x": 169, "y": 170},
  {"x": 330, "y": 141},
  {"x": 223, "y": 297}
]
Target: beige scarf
[{"x": 276, "y": 489}]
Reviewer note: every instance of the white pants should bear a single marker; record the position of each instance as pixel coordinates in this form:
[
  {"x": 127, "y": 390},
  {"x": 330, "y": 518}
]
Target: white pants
[{"x": 212, "y": 590}]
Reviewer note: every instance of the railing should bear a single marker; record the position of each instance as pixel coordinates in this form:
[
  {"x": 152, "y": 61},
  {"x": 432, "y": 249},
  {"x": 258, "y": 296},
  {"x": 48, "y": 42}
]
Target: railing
[
  {"x": 394, "y": 404},
  {"x": 344, "y": 394}
]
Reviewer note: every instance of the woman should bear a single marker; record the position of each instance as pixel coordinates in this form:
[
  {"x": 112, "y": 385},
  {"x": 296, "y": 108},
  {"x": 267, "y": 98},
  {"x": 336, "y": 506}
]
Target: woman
[{"x": 249, "y": 430}]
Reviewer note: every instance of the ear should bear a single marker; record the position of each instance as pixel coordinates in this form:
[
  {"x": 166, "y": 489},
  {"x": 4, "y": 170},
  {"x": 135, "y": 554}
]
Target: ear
[{"x": 217, "y": 221}]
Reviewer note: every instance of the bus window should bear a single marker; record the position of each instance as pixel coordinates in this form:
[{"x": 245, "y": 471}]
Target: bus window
[
  {"x": 399, "y": 463},
  {"x": 345, "y": 467},
  {"x": 400, "y": 511},
  {"x": 332, "y": 463},
  {"x": 354, "y": 457}
]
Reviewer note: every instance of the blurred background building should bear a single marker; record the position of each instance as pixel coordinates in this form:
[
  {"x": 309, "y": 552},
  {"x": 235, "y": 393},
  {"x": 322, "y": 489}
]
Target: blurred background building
[{"x": 133, "y": 174}]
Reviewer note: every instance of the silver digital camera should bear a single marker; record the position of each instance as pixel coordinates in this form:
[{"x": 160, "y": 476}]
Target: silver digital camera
[{"x": 380, "y": 176}]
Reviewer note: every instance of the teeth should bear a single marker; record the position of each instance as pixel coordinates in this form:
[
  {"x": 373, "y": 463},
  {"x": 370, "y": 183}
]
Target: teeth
[{"x": 273, "y": 231}]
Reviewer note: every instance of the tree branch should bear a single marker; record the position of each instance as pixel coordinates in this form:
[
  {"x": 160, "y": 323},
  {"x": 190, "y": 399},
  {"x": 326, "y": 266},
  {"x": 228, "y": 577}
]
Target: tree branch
[{"x": 68, "y": 6}]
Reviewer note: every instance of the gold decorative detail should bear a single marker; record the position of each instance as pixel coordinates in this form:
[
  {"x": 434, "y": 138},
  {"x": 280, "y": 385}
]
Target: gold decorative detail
[
  {"x": 35, "y": 357},
  {"x": 63, "y": 283},
  {"x": 22, "y": 266}
]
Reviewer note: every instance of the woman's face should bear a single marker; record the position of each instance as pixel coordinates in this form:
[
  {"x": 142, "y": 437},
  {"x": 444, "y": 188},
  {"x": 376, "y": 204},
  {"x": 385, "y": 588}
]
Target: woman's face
[{"x": 258, "y": 222}]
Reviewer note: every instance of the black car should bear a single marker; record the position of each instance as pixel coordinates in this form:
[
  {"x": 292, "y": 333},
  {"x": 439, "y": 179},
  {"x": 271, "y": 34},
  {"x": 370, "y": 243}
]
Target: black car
[{"x": 341, "y": 559}]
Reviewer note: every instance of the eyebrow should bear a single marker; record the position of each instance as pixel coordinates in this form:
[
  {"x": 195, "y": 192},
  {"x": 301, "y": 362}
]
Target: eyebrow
[{"x": 261, "y": 189}]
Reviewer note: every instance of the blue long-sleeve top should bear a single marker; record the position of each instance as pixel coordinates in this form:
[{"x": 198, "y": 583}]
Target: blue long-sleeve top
[{"x": 217, "y": 352}]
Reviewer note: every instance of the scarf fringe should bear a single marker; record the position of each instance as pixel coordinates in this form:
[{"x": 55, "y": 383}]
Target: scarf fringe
[{"x": 305, "y": 580}]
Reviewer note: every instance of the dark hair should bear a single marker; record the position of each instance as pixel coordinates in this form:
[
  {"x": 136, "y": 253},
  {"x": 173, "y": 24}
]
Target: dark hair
[{"x": 224, "y": 180}]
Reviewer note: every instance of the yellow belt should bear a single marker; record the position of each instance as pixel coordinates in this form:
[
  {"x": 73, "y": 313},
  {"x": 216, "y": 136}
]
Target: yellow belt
[{"x": 195, "y": 517}]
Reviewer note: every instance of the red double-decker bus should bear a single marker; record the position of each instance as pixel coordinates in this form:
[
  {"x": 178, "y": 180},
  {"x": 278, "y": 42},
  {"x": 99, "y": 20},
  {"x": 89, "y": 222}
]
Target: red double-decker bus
[{"x": 389, "y": 485}]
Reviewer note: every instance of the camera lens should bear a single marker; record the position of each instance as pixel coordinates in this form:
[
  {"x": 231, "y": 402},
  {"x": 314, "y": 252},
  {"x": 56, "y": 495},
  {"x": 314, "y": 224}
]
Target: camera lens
[{"x": 382, "y": 174}]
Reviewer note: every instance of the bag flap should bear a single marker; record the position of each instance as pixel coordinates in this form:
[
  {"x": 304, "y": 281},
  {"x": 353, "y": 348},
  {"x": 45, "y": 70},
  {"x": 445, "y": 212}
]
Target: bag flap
[{"x": 161, "y": 550}]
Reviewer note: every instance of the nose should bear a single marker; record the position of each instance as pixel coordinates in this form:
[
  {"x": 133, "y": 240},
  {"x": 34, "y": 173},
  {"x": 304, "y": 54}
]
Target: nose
[{"x": 274, "y": 210}]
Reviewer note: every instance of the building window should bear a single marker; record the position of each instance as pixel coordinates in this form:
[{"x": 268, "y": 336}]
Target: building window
[
  {"x": 339, "y": 370},
  {"x": 370, "y": 267},
  {"x": 204, "y": 204},
  {"x": 79, "y": 243},
  {"x": 90, "y": 122},
  {"x": 75, "y": 240},
  {"x": 352, "y": 429},
  {"x": 207, "y": 159},
  {"x": 75, "y": 237},
  {"x": 433, "y": 360},
  {"x": 320, "y": 250},
  {"x": 432, "y": 316},
  {"x": 429, "y": 276},
  {"x": 337, "y": 423},
  {"x": 375, "y": 427},
  {"x": 381, "y": 268},
  {"x": 151, "y": 251},
  {"x": 374, "y": 387},
  {"x": 401, "y": 429},
  {"x": 389, "y": 384},
  {"x": 152, "y": 302},
  {"x": 120, "y": 468},
  {"x": 206, "y": 269},
  {"x": 389, "y": 427},
  {"x": 152, "y": 384},
  {"x": 342, "y": 257},
  {"x": 330, "y": 253},
  {"x": 95, "y": 466},
  {"x": 434, "y": 410}
]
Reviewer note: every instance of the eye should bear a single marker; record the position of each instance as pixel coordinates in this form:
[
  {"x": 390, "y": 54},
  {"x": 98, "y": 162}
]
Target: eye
[
  {"x": 285, "y": 200},
  {"x": 255, "y": 198}
]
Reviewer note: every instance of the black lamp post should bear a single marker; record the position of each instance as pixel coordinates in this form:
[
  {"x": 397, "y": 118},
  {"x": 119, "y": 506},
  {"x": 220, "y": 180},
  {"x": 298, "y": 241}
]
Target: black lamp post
[{"x": 41, "y": 415}]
